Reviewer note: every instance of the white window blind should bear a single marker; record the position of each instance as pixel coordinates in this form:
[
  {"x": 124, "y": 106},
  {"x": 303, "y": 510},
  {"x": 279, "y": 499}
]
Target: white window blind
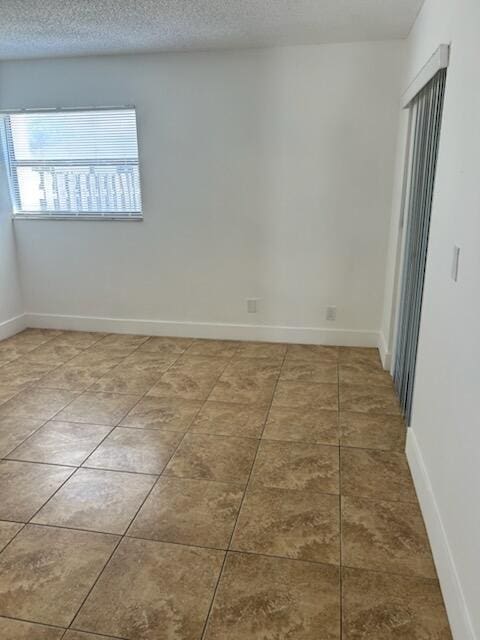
[{"x": 73, "y": 163}]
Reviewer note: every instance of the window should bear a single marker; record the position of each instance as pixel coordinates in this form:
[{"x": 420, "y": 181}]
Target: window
[{"x": 73, "y": 163}]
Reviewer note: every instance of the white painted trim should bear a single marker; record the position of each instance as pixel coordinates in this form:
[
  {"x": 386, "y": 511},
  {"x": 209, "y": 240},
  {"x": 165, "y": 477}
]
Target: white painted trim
[
  {"x": 458, "y": 614},
  {"x": 11, "y": 327},
  {"x": 439, "y": 60},
  {"x": 269, "y": 333},
  {"x": 385, "y": 355}
]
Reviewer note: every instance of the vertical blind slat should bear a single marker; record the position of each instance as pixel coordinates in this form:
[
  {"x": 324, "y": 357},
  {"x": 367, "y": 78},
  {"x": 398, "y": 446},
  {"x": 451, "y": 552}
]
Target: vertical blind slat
[{"x": 428, "y": 106}]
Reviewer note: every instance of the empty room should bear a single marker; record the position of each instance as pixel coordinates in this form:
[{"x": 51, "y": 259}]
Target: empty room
[{"x": 239, "y": 320}]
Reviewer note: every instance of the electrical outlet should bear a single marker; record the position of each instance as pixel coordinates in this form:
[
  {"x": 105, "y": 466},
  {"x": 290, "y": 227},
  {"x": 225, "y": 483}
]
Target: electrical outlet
[
  {"x": 331, "y": 314},
  {"x": 252, "y": 304}
]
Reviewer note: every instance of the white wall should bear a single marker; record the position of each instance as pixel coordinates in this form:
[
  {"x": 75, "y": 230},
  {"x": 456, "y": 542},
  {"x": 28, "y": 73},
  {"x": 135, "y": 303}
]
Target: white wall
[
  {"x": 11, "y": 304},
  {"x": 265, "y": 173},
  {"x": 444, "y": 442}
]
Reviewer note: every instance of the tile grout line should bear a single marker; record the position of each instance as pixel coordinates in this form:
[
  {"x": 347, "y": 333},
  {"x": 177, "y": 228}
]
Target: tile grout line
[
  {"x": 237, "y": 551},
  {"x": 223, "y": 549},
  {"x": 340, "y": 571},
  {"x": 227, "y": 551}
]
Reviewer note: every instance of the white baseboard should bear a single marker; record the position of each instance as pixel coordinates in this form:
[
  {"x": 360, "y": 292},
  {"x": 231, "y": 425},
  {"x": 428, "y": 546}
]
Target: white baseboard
[
  {"x": 11, "y": 327},
  {"x": 269, "y": 333},
  {"x": 458, "y": 614},
  {"x": 385, "y": 355}
]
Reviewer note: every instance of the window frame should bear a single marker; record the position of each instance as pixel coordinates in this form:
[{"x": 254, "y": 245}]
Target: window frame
[{"x": 17, "y": 214}]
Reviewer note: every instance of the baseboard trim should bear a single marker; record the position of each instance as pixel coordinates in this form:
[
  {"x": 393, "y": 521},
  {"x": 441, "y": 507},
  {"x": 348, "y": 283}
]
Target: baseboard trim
[
  {"x": 457, "y": 609},
  {"x": 12, "y": 326},
  {"x": 385, "y": 355},
  {"x": 269, "y": 333}
]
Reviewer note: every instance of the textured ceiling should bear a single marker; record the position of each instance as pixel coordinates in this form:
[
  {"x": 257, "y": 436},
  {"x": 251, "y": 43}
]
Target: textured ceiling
[{"x": 39, "y": 28}]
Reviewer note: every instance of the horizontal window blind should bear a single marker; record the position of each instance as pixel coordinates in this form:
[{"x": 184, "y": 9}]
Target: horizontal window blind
[{"x": 73, "y": 163}]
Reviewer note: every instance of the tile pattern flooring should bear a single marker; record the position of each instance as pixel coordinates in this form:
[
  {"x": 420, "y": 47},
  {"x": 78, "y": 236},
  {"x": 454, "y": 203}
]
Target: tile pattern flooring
[{"x": 169, "y": 488}]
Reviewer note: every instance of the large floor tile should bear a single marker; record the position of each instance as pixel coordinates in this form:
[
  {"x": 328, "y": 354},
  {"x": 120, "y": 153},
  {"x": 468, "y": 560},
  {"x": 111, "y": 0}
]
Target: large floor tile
[
  {"x": 125, "y": 379},
  {"x": 121, "y": 341},
  {"x": 70, "y": 378},
  {"x": 304, "y": 424},
  {"x": 243, "y": 389},
  {"x": 372, "y": 431},
  {"x": 261, "y": 350},
  {"x": 390, "y": 607},
  {"x": 32, "y": 338},
  {"x": 171, "y": 414},
  {"x": 196, "y": 512},
  {"x": 166, "y": 345},
  {"x": 37, "y": 403},
  {"x": 45, "y": 573},
  {"x": 364, "y": 374},
  {"x": 190, "y": 379},
  {"x": 8, "y": 530},
  {"x": 52, "y": 353},
  {"x": 309, "y": 372},
  {"x": 22, "y": 373},
  {"x": 98, "y": 408},
  {"x": 99, "y": 360},
  {"x": 260, "y": 598},
  {"x": 97, "y": 500},
  {"x": 379, "y": 475},
  {"x": 9, "y": 351},
  {"x": 8, "y": 355},
  {"x": 19, "y": 630},
  {"x": 213, "y": 348},
  {"x": 213, "y": 458},
  {"x": 312, "y": 353},
  {"x": 25, "y": 487},
  {"x": 385, "y": 536},
  {"x": 139, "y": 450},
  {"x": 61, "y": 443},
  {"x": 7, "y": 392},
  {"x": 149, "y": 361},
  {"x": 300, "y": 395},
  {"x": 227, "y": 419},
  {"x": 152, "y": 591},
  {"x": 262, "y": 369},
  {"x": 369, "y": 399},
  {"x": 296, "y": 465},
  {"x": 293, "y": 524},
  {"x": 13, "y": 431},
  {"x": 368, "y": 356},
  {"x": 78, "y": 339}
]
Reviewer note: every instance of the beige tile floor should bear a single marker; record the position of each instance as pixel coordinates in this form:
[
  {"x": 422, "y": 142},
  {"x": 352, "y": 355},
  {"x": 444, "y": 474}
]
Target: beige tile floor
[{"x": 178, "y": 489}]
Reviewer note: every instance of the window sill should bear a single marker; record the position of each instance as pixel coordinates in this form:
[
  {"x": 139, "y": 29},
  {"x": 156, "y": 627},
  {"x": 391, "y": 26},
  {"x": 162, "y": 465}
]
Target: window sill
[{"x": 93, "y": 218}]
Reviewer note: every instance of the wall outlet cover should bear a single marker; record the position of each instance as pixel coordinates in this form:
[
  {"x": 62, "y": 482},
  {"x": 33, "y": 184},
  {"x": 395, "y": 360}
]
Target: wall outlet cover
[{"x": 331, "y": 314}]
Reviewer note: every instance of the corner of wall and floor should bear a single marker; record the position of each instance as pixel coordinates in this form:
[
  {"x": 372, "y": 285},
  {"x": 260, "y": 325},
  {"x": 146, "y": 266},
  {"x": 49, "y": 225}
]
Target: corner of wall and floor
[{"x": 12, "y": 313}]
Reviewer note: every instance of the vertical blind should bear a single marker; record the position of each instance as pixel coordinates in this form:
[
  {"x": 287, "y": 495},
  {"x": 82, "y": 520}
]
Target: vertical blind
[
  {"x": 79, "y": 162},
  {"x": 426, "y": 119}
]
